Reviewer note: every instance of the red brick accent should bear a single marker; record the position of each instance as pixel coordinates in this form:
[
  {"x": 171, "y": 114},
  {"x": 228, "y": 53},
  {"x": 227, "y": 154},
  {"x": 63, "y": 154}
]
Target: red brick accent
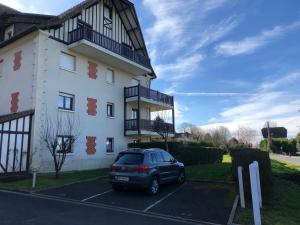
[
  {"x": 91, "y": 106},
  {"x": 90, "y": 145},
  {"x": 17, "y": 60},
  {"x": 14, "y": 104},
  {"x": 92, "y": 70}
]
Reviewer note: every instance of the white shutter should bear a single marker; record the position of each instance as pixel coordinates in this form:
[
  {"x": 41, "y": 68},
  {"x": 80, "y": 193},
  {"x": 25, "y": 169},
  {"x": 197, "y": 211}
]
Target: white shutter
[
  {"x": 109, "y": 76},
  {"x": 67, "y": 62}
]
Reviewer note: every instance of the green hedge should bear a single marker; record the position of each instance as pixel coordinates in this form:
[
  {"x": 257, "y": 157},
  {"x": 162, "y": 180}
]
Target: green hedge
[
  {"x": 244, "y": 157},
  {"x": 288, "y": 145},
  {"x": 190, "y": 153}
]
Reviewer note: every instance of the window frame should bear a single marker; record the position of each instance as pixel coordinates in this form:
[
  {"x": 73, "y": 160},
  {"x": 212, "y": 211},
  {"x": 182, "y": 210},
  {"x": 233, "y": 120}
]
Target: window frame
[
  {"x": 110, "y": 9},
  {"x": 134, "y": 112},
  {"x": 10, "y": 29},
  {"x": 67, "y": 69},
  {"x": 110, "y": 142},
  {"x": 63, "y": 137},
  {"x": 112, "y": 105},
  {"x": 66, "y": 95},
  {"x": 113, "y": 76}
]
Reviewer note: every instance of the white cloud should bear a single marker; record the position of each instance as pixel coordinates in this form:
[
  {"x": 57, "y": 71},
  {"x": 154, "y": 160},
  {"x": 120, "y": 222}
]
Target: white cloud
[
  {"x": 272, "y": 101},
  {"x": 182, "y": 68},
  {"x": 250, "y": 44},
  {"x": 180, "y": 110},
  {"x": 20, "y": 5}
]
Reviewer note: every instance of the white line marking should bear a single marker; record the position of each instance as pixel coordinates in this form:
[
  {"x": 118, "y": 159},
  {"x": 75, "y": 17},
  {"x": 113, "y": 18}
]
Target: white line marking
[
  {"x": 103, "y": 193},
  {"x": 162, "y": 199}
]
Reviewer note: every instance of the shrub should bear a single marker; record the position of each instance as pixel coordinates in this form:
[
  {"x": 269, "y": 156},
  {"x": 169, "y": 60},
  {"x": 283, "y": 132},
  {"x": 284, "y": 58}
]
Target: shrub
[
  {"x": 190, "y": 153},
  {"x": 244, "y": 157},
  {"x": 280, "y": 145}
]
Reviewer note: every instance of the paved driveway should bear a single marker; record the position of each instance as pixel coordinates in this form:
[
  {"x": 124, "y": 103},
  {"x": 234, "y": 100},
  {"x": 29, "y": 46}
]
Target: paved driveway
[
  {"x": 193, "y": 202},
  {"x": 291, "y": 159}
]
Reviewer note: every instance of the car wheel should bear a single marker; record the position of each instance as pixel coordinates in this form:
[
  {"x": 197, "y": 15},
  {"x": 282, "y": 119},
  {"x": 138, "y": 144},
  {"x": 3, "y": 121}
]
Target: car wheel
[
  {"x": 154, "y": 186},
  {"x": 117, "y": 187},
  {"x": 181, "y": 177}
]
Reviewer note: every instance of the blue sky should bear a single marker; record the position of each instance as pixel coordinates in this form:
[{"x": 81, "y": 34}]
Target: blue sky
[{"x": 227, "y": 62}]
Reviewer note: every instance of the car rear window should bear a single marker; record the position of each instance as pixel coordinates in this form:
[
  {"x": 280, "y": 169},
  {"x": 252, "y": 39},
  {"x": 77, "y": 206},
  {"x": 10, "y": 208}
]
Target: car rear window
[{"x": 130, "y": 159}]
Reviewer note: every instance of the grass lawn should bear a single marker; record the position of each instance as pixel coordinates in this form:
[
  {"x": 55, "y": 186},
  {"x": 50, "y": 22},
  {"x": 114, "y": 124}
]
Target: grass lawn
[
  {"x": 213, "y": 172},
  {"x": 49, "y": 181},
  {"x": 284, "y": 210},
  {"x": 285, "y": 206}
]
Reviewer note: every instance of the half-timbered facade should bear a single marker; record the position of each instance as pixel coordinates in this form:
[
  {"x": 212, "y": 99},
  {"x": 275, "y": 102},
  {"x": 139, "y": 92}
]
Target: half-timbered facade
[{"x": 89, "y": 62}]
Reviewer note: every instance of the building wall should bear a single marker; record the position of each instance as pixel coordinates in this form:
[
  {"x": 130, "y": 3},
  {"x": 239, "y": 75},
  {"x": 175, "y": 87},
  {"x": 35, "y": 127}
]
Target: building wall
[
  {"x": 51, "y": 80},
  {"x": 17, "y": 75}
]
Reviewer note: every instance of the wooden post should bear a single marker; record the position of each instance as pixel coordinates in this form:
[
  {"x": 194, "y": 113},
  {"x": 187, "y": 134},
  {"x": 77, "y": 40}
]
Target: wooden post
[{"x": 33, "y": 180}]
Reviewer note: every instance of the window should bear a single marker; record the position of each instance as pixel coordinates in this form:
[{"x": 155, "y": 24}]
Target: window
[
  {"x": 130, "y": 158},
  {"x": 159, "y": 157},
  {"x": 110, "y": 110},
  {"x": 134, "y": 114},
  {"x": 9, "y": 32},
  {"x": 66, "y": 101},
  {"x": 167, "y": 157},
  {"x": 109, "y": 145},
  {"x": 67, "y": 62},
  {"x": 107, "y": 12},
  {"x": 110, "y": 76},
  {"x": 153, "y": 158},
  {"x": 1, "y": 67},
  {"x": 64, "y": 144}
]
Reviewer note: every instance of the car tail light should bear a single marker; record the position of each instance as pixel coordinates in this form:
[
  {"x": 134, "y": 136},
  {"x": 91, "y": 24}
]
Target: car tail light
[
  {"x": 143, "y": 168},
  {"x": 113, "y": 168}
]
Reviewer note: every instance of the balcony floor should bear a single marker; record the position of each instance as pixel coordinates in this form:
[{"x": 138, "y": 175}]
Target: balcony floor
[{"x": 110, "y": 58}]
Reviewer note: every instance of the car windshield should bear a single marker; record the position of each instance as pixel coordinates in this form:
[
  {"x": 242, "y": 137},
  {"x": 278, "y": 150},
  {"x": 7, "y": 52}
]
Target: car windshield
[{"x": 130, "y": 159}]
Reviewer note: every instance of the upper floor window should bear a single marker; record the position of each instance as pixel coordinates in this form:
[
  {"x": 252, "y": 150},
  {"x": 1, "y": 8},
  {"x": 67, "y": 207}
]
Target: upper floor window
[
  {"x": 66, "y": 101},
  {"x": 110, "y": 109},
  {"x": 134, "y": 114},
  {"x": 109, "y": 145},
  {"x": 9, "y": 32},
  {"x": 67, "y": 62},
  {"x": 110, "y": 77}
]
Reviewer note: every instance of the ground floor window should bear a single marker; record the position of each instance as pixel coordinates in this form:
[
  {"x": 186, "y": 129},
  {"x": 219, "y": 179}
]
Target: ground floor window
[
  {"x": 64, "y": 144},
  {"x": 110, "y": 145}
]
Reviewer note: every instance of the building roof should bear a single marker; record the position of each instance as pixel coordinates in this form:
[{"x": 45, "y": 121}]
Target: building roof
[
  {"x": 276, "y": 132},
  {"x": 125, "y": 9}
]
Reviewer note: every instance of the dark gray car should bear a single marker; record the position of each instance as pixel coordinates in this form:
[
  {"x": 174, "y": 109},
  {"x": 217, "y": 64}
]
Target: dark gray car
[{"x": 145, "y": 168}]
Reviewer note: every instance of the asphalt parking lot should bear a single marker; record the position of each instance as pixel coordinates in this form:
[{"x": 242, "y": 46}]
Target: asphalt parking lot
[{"x": 195, "y": 202}]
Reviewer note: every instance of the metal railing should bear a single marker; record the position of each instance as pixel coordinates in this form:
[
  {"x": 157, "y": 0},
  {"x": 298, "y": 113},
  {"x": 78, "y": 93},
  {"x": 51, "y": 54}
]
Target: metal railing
[
  {"x": 97, "y": 38},
  {"x": 149, "y": 94},
  {"x": 147, "y": 125}
]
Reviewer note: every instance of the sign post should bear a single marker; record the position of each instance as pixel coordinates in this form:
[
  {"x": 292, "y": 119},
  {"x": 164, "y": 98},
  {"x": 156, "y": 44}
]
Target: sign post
[{"x": 241, "y": 186}]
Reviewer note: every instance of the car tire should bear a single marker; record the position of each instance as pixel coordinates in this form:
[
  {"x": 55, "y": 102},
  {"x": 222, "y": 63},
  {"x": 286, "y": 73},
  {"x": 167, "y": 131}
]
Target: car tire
[
  {"x": 181, "y": 177},
  {"x": 117, "y": 188},
  {"x": 153, "y": 187}
]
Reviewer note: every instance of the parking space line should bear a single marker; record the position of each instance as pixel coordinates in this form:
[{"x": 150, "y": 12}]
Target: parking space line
[
  {"x": 93, "y": 196},
  {"x": 163, "y": 198}
]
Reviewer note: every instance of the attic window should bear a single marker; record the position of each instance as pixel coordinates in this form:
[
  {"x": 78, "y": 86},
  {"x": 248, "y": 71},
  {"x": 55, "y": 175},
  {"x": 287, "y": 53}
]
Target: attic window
[
  {"x": 9, "y": 32},
  {"x": 107, "y": 12}
]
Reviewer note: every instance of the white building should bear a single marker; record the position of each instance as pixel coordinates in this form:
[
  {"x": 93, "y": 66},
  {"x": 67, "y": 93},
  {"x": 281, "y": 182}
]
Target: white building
[{"x": 89, "y": 62}]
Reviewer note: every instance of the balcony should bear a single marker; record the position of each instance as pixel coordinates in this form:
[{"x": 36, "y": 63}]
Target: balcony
[
  {"x": 144, "y": 94},
  {"x": 86, "y": 41},
  {"x": 144, "y": 127}
]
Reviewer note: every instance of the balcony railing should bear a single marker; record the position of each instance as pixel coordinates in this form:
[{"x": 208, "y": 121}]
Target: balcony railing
[
  {"x": 146, "y": 125},
  {"x": 148, "y": 93},
  {"x": 97, "y": 38}
]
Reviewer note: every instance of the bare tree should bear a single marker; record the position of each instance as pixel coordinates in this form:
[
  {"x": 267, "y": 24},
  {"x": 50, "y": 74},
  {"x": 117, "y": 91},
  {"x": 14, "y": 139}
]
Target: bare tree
[
  {"x": 197, "y": 133},
  {"x": 59, "y": 135},
  {"x": 220, "y": 135},
  {"x": 246, "y": 135},
  {"x": 163, "y": 129}
]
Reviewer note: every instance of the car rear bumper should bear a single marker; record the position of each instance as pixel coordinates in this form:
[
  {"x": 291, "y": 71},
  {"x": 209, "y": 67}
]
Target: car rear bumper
[{"x": 141, "y": 181}]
